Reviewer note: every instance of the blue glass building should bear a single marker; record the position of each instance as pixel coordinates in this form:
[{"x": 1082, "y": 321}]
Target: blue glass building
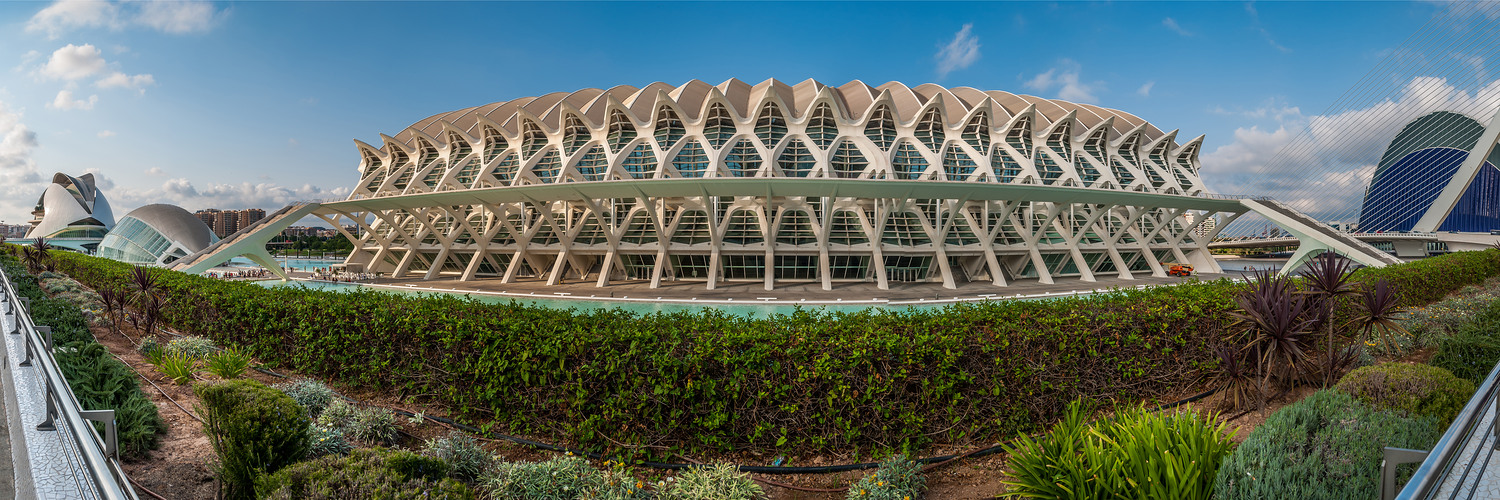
[{"x": 1416, "y": 166}]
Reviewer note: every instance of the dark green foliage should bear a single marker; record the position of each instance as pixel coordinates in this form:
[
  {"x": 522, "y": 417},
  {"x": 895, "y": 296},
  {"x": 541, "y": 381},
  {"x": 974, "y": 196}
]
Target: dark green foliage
[
  {"x": 102, "y": 382},
  {"x": 708, "y": 380},
  {"x": 1327, "y": 446},
  {"x": 254, "y": 430},
  {"x": 25, "y": 283},
  {"x": 65, "y": 318},
  {"x": 1472, "y": 352},
  {"x": 369, "y": 474},
  {"x": 1414, "y": 390}
]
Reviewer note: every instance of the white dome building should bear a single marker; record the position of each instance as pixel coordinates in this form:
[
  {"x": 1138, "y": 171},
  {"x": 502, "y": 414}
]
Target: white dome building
[
  {"x": 156, "y": 235},
  {"x": 72, "y": 212}
]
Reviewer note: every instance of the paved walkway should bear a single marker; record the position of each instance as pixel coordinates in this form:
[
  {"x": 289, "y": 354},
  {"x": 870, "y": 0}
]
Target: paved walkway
[
  {"x": 49, "y": 465},
  {"x": 1476, "y": 470}
]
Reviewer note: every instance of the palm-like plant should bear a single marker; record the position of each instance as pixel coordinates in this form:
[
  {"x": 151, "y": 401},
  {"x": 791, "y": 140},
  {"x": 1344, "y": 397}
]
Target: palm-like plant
[
  {"x": 1327, "y": 277},
  {"x": 36, "y": 256},
  {"x": 1274, "y": 323},
  {"x": 1378, "y": 314},
  {"x": 1236, "y": 378}
]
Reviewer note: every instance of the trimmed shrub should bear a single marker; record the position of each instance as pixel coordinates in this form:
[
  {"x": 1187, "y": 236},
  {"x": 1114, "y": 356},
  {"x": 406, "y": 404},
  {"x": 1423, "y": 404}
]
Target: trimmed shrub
[
  {"x": 896, "y": 479},
  {"x": 312, "y": 395},
  {"x": 562, "y": 477},
  {"x": 1134, "y": 454},
  {"x": 1327, "y": 446},
  {"x": 254, "y": 430},
  {"x": 373, "y": 474},
  {"x": 714, "y": 482},
  {"x": 466, "y": 457},
  {"x": 1413, "y": 390},
  {"x": 100, "y": 381},
  {"x": 809, "y": 380}
]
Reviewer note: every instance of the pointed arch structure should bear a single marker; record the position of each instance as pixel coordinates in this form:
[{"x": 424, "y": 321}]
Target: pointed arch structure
[{"x": 777, "y": 183}]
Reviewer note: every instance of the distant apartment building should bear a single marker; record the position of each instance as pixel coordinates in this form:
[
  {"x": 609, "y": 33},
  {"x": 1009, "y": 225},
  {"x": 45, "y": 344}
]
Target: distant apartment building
[{"x": 226, "y": 222}]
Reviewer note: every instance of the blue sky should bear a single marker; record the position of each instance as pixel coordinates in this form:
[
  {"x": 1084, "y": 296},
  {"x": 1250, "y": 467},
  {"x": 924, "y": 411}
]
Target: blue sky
[{"x": 254, "y": 104}]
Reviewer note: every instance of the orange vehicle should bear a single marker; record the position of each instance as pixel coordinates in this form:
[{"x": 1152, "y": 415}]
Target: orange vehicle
[{"x": 1179, "y": 269}]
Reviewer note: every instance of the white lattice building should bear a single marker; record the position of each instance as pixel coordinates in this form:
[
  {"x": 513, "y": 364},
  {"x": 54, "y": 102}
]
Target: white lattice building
[{"x": 779, "y": 183}]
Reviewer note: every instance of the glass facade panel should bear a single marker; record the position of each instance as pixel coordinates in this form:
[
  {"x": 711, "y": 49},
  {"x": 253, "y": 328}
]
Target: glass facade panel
[
  {"x": 881, "y": 128},
  {"x": 720, "y": 126},
  {"x": 822, "y": 128},
  {"x": 743, "y": 267},
  {"x": 743, "y": 228},
  {"x": 770, "y": 126},
  {"x": 743, "y": 160},
  {"x": 847, "y": 162},
  {"x": 796, "y": 160},
  {"x": 641, "y": 163},
  {"x": 691, "y": 160}
]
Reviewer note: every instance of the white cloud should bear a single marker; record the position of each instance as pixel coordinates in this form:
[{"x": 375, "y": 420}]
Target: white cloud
[
  {"x": 1145, "y": 90},
  {"x": 17, "y": 141},
  {"x": 106, "y": 133},
  {"x": 122, "y": 80},
  {"x": 66, "y": 102},
  {"x": 1171, "y": 24},
  {"x": 173, "y": 17},
  {"x": 64, "y": 15},
  {"x": 1321, "y": 163},
  {"x": 960, "y": 53},
  {"x": 184, "y": 193},
  {"x": 177, "y": 17},
  {"x": 74, "y": 62},
  {"x": 1065, "y": 78}
]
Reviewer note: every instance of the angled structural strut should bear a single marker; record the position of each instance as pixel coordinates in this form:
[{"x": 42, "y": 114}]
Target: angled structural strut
[
  {"x": 249, "y": 242},
  {"x": 1315, "y": 237}
]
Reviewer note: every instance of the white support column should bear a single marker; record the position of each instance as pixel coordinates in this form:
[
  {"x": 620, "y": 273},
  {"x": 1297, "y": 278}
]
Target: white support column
[
  {"x": 943, "y": 267},
  {"x": 606, "y": 267},
  {"x": 1043, "y": 275},
  {"x": 770, "y": 278},
  {"x": 996, "y": 271},
  {"x": 515, "y": 266},
  {"x": 1448, "y": 198},
  {"x": 713, "y": 268},
  {"x": 661, "y": 265},
  {"x": 823, "y": 267},
  {"x": 559, "y": 265}
]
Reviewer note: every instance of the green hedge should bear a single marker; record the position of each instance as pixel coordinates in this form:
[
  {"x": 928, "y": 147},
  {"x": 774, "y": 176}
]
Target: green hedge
[
  {"x": 1421, "y": 282},
  {"x": 1415, "y": 390},
  {"x": 1327, "y": 446},
  {"x": 807, "y": 380},
  {"x": 254, "y": 430}
]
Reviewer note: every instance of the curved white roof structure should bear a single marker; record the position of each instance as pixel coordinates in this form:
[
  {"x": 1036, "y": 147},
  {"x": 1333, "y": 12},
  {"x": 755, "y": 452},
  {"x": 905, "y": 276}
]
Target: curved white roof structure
[
  {"x": 778, "y": 182},
  {"x": 156, "y": 235},
  {"x": 71, "y": 208}
]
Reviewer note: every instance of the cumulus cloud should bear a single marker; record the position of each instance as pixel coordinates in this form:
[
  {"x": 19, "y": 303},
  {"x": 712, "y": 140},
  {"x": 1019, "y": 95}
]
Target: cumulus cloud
[
  {"x": 1145, "y": 90},
  {"x": 958, "y": 54},
  {"x": 1065, "y": 78},
  {"x": 1321, "y": 163},
  {"x": 74, "y": 62},
  {"x": 155, "y": 171},
  {"x": 17, "y": 141},
  {"x": 122, "y": 80},
  {"x": 184, "y": 193},
  {"x": 106, "y": 133},
  {"x": 173, "y": 17},
  {"x": 66, "y": 102},
  {"x": 1171, "y": 24}
]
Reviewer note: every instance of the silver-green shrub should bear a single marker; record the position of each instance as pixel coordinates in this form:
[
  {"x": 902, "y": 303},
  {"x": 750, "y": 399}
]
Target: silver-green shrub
[
  {"x": 371, "y": 426},
  {"x": 467, "y": 458},
  {"x": 715, "y": 482},
  {"x": 325, "y": 441},
  {"x": 565, "y": 477},
  {"x": 312, "y": 395},
  {"x": 191, "y": 346},
  {"x": 896, "y": 479}
]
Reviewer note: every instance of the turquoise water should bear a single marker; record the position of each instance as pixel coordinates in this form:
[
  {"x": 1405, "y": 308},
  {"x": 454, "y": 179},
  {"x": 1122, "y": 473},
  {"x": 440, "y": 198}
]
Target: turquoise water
[{"x": 298, "y": 263}]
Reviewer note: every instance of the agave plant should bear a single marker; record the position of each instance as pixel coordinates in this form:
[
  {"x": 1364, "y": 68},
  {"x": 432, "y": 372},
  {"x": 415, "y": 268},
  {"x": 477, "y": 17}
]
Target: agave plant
[
  {"x": 1327, "y": 277},
  {"x": 1274, "y": 323},
  {"x": 1378, "y": 314}
]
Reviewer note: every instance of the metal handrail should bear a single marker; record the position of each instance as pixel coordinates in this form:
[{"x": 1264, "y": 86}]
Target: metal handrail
[
  {"x": 1434, "y": 469},
  {"x": 108, "y": 478}
]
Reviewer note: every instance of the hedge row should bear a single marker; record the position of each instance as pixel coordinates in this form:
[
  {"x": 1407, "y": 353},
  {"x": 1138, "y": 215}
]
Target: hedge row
[
  {"x": 98, "y": 380},
  {"x": 807, "y": 380}
]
